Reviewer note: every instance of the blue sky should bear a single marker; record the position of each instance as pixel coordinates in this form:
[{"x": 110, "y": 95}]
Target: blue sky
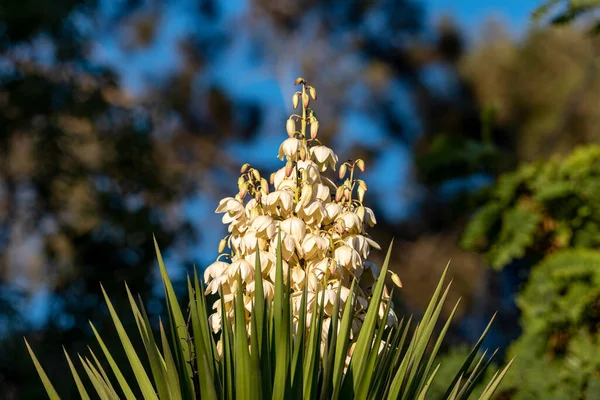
[{"x": 472, "y": 14}]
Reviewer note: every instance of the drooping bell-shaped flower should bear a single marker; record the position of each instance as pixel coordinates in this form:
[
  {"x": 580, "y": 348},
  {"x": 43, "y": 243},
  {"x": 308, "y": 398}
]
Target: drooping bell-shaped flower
[
  {"x": 289, "y": 148},
  {"x": 323, "y": 157}
]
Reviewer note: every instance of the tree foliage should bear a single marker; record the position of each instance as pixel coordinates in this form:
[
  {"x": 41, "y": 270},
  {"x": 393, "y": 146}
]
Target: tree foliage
[
  {"x": 558, "y": 354},
  {"x": 538, "y": 209},
  {"x": 547, "y": 213}
]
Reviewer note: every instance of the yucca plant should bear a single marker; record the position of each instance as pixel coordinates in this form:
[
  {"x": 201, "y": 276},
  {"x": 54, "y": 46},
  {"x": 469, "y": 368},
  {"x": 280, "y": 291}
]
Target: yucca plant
[{"x": 301, "y": 314}]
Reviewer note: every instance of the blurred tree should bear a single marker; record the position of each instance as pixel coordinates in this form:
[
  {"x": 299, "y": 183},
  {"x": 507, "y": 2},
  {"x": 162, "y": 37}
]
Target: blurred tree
[
  {"x": 560, "y": 12},
  {"x": 82, "y": 186},
  {"x": 547, "y": 215}
]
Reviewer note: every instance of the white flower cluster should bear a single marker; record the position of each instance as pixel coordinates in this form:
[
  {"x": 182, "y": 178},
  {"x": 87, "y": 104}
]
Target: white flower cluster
[{"x": 322, "y": 226}]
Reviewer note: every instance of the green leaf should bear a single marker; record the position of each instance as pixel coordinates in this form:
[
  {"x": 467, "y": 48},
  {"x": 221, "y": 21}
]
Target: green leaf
[
  {"x": 136, "y": 365},
  {"x": 80, "y": 388},
  {"x": 464, "y": 368},
  {"x": 365, "y": 337},
  {"x": 205, "y": 368},
  {"x": 241, "y": 354},
  {"x": 100, "y": 386},
  {"x": 120, "y": 378},
  {"x": 281, "y": 314},
  {"x": 47, "y": 384},
  {"x": 172, "y": 377},
  {"x": 178, "y": 326},
  {"x": 495, "y": 382},
  {"x": 154, "y": 357}
]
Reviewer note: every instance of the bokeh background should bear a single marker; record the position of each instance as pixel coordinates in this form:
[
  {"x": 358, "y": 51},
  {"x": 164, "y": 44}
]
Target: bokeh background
[{"x": 120, "y": 119}]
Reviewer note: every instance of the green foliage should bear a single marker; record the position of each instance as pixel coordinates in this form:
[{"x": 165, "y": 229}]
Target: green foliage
[
  {"x": 561, "y": 315},
  {"x": 274, "y": 363},
  {"x": 566, "y": 11},
  {"x": 450, "y": 362},
  {"x": 540, "y": 208}
]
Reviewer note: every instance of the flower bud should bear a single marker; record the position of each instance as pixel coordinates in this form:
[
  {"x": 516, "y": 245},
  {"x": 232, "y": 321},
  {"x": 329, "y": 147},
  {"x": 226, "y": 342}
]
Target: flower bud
[
  {"x": 299, "y": 81},
  {"x": 295, "y": 100},
  {"x": 306, "y": 195},
  {"x": 272, "y": 178},
  {"x": 360, "y": 212},
  {"x": 313, "y": 92},
  {"x": 339, "y": 193},
  {"x": 314, "y": 129},
  {"x": 302, "y": 154},
  {"x": 243, "y": 190},
  {"x": 396, "y": 280},
  {"x": 347, "y": 194},
  {"x": 305, "y": 100},
  {"x": 264, "y": 186},
  {"x": 288, "y": 168},
  {"x": 222, "y": 244},
  {"x": 256, "y": 174},
  {"x": 360, "y": 164},
  {"x": 343, "y": 169},
  {"x": 361, "y": 193},
  {"x": 244, "y": 168},
  {"x": 290, "y": 127},
  {"x": 362, "y": 184}
]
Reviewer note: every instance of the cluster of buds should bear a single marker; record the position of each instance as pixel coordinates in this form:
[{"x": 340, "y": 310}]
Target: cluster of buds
[{"x": 321, "y": 226}]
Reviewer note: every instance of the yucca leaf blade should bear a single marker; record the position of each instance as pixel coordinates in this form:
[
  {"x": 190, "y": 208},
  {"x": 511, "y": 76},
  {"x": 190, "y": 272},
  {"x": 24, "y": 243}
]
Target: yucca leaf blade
[
  {"x": 52, "y": 394},
  {"x": 178, "y": 325},
  {"x": 115, "y": 368},
  {"x": 136, "y": 365},
  {"x": 80, "y": 388}
]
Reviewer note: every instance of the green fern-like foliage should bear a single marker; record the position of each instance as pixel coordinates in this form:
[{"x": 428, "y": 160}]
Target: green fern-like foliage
[
  {"x": 538, "y": 209},
  {"x": 562, "y": 12},
  {"x": 558, "y": 354}
]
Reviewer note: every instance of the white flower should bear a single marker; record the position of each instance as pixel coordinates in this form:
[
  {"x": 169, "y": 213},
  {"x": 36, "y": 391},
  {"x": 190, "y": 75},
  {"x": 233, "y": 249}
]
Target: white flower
[
  {"x": 319, "y": 267},
  {"x": 313, "y": 214},
  {"x": 268, "y": 289},
  {"x": 314, "y": 246},
  {"x": 323, "y": 156},
  {"x": 213, "y": 286},
  {"x": 312, "y": 171},
  {"x": 214, "y": 270},
  {"x": 279, "y": 202},
  {"x": 252, "y": 209},
  {"x": 321, "y": 192},
  {"x": 290, "y": 147},
  {"x": 348, "y": 258},
  {"x": 215, "y": 322},
  {"x": 264, "y": 226},
  {"x": 294, "y": 227},
  {"x": 297, "y": 277},
  {"x": 352, "y": 223},
  {"x": 273, "y": 272},
  {"x": 242, "y": 267},
  {"x": 329, "y": 300},
  {"x": 266, "y": 260},
  {"x": 281, "y": 182},
  {"x": 332, "y": 210},
  {"x": 361, "y": 244},
  {"x": 288, "y": 245},
  {"x": 229, "y": 205},
  {"x": 370, "y": 217}
]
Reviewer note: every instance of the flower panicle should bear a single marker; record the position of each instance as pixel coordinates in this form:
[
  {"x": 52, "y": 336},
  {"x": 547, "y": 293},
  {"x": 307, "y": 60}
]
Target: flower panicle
[{"x": 322, "y": 226}]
